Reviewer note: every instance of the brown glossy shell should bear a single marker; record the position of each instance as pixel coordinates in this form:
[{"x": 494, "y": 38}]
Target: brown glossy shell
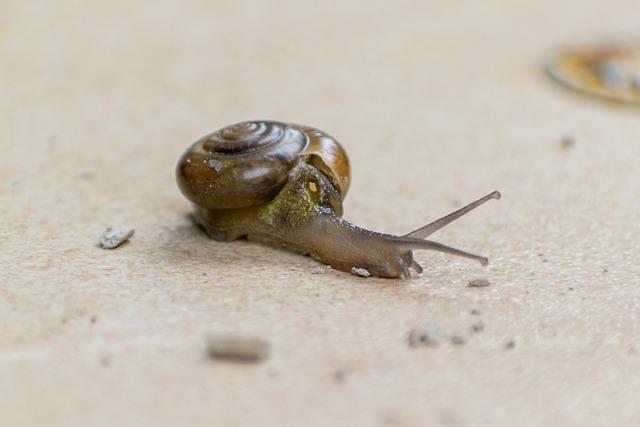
[{"x": 247, "y": 164}]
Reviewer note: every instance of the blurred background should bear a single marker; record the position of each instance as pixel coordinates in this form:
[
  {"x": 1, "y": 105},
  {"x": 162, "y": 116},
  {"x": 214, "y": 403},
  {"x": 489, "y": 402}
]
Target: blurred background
[{"x": 436, "y": 102}]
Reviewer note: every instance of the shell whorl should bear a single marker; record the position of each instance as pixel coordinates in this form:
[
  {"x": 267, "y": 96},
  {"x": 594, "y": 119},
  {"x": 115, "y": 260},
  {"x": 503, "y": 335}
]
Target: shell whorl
[
  {"x": 247, "y": 163},
  {"x": 246, "y": 137}
]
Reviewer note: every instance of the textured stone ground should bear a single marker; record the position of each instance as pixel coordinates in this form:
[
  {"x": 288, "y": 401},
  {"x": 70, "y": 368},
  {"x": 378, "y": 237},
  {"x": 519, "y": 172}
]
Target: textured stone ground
[{"x": 436, "y": 102}]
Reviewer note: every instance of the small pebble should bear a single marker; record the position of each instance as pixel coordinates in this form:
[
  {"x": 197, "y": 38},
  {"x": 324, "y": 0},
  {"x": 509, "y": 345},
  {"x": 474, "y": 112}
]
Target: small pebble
[
  {"x": 428, "y": 336},
  {"x": 458, "y": 340},
  {"x": 477, "y": 327},
  {"x": 362, "y": 272},
  {"x": 475, "y": 312},
  {"x": 114, "y": 237},
  {"x": 86, "y": 175},
  {"x": 237, "y": 348},
  {"x": 510, "y": 345},
  {"x": 478, "y": 283},
  {"x": 567, "y": 142},
  {"x": 340, "y": 375}
]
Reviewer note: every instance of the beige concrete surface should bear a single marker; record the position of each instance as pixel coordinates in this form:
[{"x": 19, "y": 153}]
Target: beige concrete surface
[{"x": 437, "y": 103}]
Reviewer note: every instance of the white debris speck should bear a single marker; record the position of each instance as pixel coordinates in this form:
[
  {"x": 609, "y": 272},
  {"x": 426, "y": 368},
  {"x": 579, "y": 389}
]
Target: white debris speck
[
  {"x": 114, "y": 237},
  {"x": 362, "y": 272},
  {"x": 478, "y": 283},
  {"x": 215, "y": 164},
  {"x": 320, "y": 269}
]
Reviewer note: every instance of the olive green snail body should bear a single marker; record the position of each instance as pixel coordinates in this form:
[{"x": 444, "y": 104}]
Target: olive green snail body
[{"x": 284, "y": 184}]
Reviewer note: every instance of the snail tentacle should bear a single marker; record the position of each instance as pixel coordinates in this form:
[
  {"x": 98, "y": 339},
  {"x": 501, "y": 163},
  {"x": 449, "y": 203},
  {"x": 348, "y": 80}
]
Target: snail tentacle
[{"x": 429, "y": 229}]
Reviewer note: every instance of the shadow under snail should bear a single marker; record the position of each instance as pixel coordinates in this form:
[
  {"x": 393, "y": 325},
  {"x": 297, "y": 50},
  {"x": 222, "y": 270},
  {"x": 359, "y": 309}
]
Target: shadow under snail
[{"x": 283, "y": 184}]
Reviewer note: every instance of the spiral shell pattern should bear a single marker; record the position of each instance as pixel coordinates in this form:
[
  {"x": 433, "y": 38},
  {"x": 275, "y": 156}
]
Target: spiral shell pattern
[
  {"x": 245, "y": 137},
  {"x": 247, "y": 163}
]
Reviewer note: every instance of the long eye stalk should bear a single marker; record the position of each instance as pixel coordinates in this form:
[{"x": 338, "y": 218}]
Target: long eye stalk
[
  {"x": 413, "y": 239},
  {"x": 436, "y": 225}
]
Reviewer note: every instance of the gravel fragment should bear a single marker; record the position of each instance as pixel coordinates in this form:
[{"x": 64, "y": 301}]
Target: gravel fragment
[
  {"x": 427, "y": 336},
  {"x": 420, "y": 337},
  {"x": 340, "y": 375},
  {"x": 362, "y": 272},
  {"x": 477, "y": 327},
  {"x": 458, "y": 340},
  {"x": 478, "y": 283},
  {"x": 114, "y": 237},
  {"x": 237, "y": 348},
  {"x": 88, "y": 175},
  {"x": 510, "y": 345},
  {"x": 567, "y": 142},
  {"x": 475, "y": 312},
  {"x": 105, "y": 360}
]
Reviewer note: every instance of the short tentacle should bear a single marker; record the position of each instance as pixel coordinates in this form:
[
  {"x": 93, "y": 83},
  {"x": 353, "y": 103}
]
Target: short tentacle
[
  {"x": 417, "y": 267},
  {"x": 412, "y": 244}
]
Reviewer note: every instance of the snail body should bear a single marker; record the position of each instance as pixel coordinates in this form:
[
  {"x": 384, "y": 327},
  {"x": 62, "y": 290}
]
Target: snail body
[{"x": 284, "y": 184}]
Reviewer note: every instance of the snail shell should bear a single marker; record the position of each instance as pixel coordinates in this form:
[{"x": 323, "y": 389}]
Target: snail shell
[{"x": 247, "y": 164}]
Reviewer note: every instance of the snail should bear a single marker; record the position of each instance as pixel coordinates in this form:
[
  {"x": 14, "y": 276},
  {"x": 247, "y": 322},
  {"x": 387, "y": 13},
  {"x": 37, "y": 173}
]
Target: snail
[{"x": 284, "y": 184}]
